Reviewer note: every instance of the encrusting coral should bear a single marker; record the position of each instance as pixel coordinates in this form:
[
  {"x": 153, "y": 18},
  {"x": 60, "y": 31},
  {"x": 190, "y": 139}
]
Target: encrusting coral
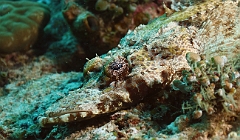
[
  {"x": 156, "y": 56},
  {"x": 21, "y": 23}
]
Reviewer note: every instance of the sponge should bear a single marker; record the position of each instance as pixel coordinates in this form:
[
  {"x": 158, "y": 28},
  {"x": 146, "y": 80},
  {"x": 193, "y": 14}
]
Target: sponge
[{"x": 20, "y": 24}]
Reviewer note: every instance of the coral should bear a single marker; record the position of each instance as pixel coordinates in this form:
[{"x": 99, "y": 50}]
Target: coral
[
  {"x": 84, "y": 25},
  {"x": 214, "y": 86},
  {"x": 102, "y": 5},
  {"x": 143, "y": 13},
  {"x": 21, "y": 24},
  {"x": 116, "y": 8},
  {"x": 99, "y": 25}
]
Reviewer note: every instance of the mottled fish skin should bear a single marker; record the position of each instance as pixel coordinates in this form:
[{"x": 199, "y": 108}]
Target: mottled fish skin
[{"x": 156, "y": 56}]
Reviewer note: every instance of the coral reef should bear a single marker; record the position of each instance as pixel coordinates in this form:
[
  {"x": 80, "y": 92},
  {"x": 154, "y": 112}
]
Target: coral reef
[
  {"x": 84, "y": 25},
  {"x": 21, "y": 24},
  {"x": 175, "y": 78},
  {"x": 99, "y": 25}
]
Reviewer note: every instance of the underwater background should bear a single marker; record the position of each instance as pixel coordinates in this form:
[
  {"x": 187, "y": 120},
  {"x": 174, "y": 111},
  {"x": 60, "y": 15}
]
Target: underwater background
[{"x": 119, "y": 69}]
